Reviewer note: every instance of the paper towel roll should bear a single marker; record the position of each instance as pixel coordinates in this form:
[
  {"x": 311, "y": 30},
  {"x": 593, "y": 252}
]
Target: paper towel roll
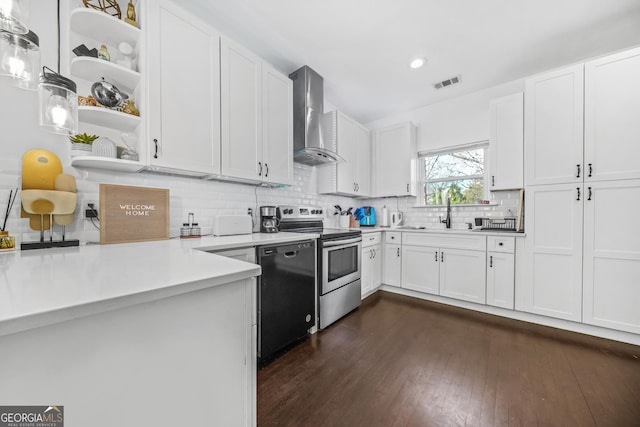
[{"x": 384, "y": 221}]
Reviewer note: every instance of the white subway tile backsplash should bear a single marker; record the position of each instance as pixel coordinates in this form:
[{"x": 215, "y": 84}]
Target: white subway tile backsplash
[{"x": 208, "y": 198}]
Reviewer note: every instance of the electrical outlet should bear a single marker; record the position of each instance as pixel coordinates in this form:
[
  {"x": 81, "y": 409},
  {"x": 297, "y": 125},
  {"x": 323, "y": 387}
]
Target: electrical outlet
[
  {"x": 91, "y": 210},
  {"x": 250, "y": 211}
]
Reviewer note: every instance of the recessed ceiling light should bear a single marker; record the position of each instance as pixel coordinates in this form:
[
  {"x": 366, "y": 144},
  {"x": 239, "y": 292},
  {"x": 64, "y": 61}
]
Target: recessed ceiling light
[{"x": 417, "y": 63}]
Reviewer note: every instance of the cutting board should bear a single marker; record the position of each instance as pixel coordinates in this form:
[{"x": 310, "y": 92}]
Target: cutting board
[{"x": 133, "y": 214}]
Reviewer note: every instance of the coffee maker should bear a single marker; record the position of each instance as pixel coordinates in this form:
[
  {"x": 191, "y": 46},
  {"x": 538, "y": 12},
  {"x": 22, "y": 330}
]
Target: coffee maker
[{"x": 268, "y": 219}]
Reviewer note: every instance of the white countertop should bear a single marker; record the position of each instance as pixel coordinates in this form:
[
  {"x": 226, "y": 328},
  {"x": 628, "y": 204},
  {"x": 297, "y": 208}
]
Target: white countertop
[
  {"x": 442, "y": 231},
  {"x": 45, "y": 286}
]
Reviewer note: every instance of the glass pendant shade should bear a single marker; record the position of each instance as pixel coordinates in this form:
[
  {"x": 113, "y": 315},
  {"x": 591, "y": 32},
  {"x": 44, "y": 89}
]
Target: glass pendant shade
[
  {"x": 20, "y": 58},
  {"x": 58, "y": 103},
  {"x": 14, "y": 16}
]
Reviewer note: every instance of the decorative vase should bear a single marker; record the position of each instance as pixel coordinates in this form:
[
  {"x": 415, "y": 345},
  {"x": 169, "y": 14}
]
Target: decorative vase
[{"x": 104, "y": 147}]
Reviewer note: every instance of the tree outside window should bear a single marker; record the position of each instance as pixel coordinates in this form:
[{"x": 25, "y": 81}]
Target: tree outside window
[{"x": 456, "y": 174}]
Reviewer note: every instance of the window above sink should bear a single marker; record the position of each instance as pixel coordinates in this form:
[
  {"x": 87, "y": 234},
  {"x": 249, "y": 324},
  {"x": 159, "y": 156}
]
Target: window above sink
[{"x": 459, "y": 174}]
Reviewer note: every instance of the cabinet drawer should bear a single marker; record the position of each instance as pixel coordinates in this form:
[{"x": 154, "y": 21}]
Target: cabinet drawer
[
  {"x": 445, "y": 240},
  {"x": 394, "y": 237},
  {"x": 370, "y": 239},
  {"x": 501, "y": 244}
]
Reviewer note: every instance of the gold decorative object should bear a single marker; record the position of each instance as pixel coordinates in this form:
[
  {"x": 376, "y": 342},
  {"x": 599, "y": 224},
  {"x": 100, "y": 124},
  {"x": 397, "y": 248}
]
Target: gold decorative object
[
  {"x": 110, "y": 7},
  {"x": 129, "y": 107},
  {"x": 103, "y": 53},
  {"x": 131, "y": 15},
  {"x": 87, "y": 101},
  {"x": 47, "y": 195}
]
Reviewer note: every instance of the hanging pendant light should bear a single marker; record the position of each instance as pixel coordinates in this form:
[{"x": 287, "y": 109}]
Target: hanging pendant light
[
  {"x": 14, "y": 16},
  {"x": 20, "y": 58},
  {"x": 58, "y": 103}
]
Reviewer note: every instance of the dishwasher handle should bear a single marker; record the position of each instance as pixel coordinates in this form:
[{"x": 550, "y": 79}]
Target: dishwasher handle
[{"x": 289, "y": 250}]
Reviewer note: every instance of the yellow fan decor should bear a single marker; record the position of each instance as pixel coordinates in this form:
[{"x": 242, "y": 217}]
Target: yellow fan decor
[{"x": 110, "y": 7}]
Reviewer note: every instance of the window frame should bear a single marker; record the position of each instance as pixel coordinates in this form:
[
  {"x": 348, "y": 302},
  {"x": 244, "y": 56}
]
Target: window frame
[{"x": 422, "y": 181}]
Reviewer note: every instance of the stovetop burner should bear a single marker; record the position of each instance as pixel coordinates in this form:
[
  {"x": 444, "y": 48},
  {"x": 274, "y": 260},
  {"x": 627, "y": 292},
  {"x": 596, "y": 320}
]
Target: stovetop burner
[{"x": 308, "y": 219}]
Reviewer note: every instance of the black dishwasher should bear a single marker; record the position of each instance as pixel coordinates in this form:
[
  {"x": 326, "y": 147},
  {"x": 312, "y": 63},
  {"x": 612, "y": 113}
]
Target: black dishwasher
[{"x": 286, "y": 296}]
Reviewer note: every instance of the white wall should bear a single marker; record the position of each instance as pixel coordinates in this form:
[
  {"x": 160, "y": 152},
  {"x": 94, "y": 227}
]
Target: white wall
[{"x": 458, "y": 121}]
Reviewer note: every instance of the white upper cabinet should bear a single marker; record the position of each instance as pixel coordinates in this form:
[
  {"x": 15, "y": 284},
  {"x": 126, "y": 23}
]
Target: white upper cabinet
[
  {"x": 257, "y": 118},
  {"x": 277, "y": 123},
  {"x": 184, "y": 90},
  {"x": 346, "y": 147},
  {"x": 395, "y": 161},
  {"x": 506, "y": 142},
  {"x": 241, "y": 73},
  {"x": 554, "y": 127},
  {"x": 612, "y": 117},
  {"x": 352, "y": 142},
  {"x": 363, "y": 160}
]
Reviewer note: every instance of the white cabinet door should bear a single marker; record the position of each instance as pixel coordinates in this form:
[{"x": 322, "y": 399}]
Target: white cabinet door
[
  {"x": 500, "y": 279},
  {"x": 392, "y": 270},
  {"x": 184, "y": 112},
  {"x": 376, "y": 267},
  {"x": 612, "y": 117},
  {"x": 612, "y": 255},
  {"x": 421, "y": 269},
  {"x": 506, "y": 138},
  {"x": 362, "y": 160},
  {"x": 241, "y": 112},
  {"x": 277, "y": 122},
  {"x": 346, "y": 172},
  {"x": 394, "y": 161},
  {"x": 352, "y": 142},
  {"x": 551, "y": 281},
  {"x": 366, "y": 278},
  {"x": 554, "y": 127},
  {"x": 462, "y": 275}
]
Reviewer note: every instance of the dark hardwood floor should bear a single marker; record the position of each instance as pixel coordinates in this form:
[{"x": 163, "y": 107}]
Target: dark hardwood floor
[{"x": 399, "y": 361}]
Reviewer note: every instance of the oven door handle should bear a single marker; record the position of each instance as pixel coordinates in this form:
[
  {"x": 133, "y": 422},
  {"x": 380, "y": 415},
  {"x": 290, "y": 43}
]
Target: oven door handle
[{"x": 341, "y": 242}]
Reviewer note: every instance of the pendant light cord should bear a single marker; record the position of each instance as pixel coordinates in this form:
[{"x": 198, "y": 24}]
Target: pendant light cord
[{"x": 58, "y": 36}]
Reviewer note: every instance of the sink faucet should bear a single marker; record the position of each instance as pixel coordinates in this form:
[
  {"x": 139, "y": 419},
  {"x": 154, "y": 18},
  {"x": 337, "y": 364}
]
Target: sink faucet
[{"x": 447, "y": 220}]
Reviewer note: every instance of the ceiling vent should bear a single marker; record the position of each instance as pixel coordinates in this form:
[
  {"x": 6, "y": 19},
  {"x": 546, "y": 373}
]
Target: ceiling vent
[{"x": 448, "y": 82}]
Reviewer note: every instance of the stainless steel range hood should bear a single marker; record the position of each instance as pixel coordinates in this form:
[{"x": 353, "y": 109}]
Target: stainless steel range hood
[{"x": 308, "y": 110}]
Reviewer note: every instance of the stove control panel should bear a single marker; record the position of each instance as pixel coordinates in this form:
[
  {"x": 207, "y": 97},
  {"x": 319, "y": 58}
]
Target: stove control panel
[{"x": 300, "y": 213}]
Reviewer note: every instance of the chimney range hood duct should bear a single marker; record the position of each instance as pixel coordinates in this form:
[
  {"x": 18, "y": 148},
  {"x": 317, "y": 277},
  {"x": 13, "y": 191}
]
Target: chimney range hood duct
[{"x": 308, "y": 111}]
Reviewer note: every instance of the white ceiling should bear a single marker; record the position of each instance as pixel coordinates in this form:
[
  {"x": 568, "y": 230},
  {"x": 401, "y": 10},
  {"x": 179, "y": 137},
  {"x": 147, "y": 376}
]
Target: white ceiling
[{"x": 362, "y": 48}]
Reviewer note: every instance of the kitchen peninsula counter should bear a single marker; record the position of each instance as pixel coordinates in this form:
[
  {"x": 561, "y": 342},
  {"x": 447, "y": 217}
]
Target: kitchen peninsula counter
[
  {"x": 46, "y": 286},
  {"x": 159, "y": 333}
]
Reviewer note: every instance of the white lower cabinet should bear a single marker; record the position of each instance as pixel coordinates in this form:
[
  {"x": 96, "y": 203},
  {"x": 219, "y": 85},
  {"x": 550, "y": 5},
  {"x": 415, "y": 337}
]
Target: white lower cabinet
[
  {"x": 421, "y": 269},
  {"x": 448, "y": 265},
  {"x": 462, "y": 275},
  {"x": 611, "y": 287},
  {"x": 551, "y": 279},
  {"x": 500, "y": 271},
  {"x": 392, "y": 262},
  {"x": 371, "y": 268},
  {"x": 392, "y": 266}
]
